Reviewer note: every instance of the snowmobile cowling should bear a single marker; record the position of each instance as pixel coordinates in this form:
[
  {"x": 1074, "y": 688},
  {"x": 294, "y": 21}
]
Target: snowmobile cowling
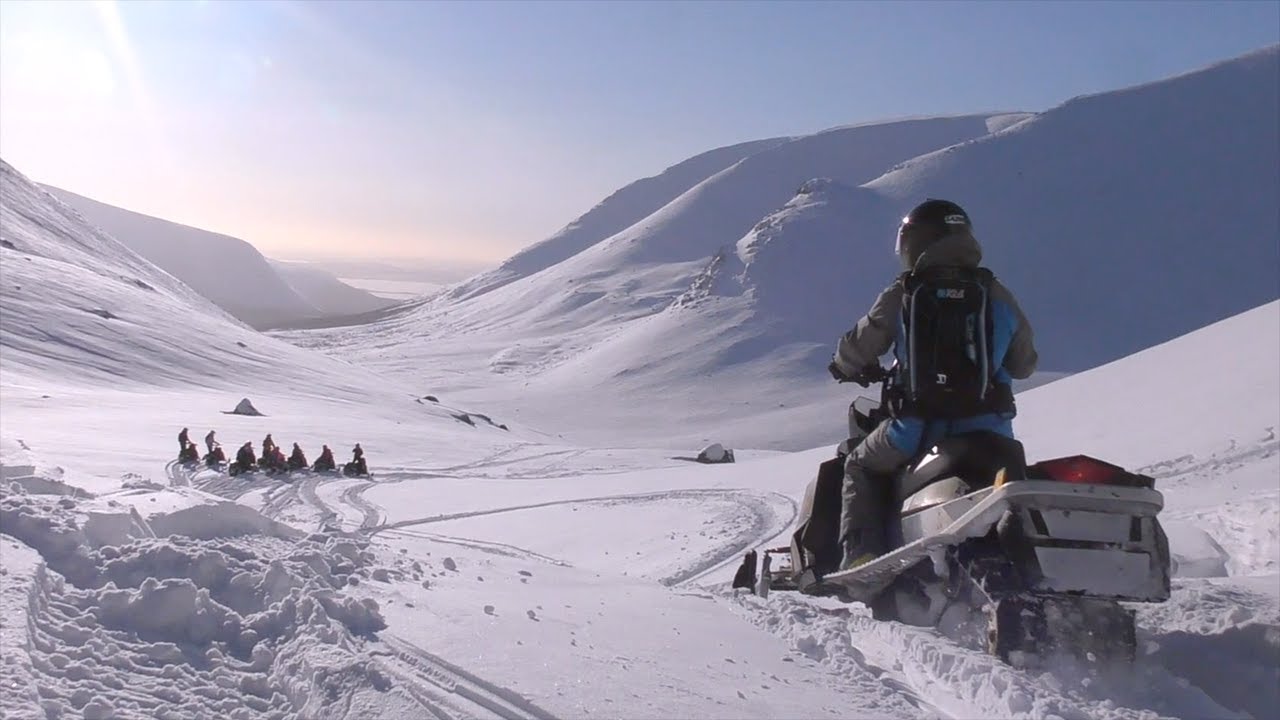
[{"x": 1083, "y": 539}]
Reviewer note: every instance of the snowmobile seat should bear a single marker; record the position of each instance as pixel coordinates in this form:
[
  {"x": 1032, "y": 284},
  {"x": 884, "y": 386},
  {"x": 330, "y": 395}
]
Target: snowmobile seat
[{"x": 976, "y": 457}]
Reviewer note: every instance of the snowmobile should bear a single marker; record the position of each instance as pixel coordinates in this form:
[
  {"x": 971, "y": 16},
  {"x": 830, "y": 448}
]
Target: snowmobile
[
  {"x": 274, "y": 463},
  {"x": 1037, "y": 558},
  {"x": 189, "y": 455},
  {"x": 236, "y": 468},
  {"x": 216, "y": 459},
  {"x": 357, "y": 467}
]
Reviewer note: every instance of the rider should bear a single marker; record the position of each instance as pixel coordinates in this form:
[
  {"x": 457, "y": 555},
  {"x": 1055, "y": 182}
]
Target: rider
[
  {"x": 182, "y": 440},
  {"x": 297, "y": 460},
  {"x": 357, "y": 464},
  {"x": 325, "y": 461},
  {"x": 245, "y": 458},
  {"x": 935, "y": 234},
  {"x": 210, "y": 440}
]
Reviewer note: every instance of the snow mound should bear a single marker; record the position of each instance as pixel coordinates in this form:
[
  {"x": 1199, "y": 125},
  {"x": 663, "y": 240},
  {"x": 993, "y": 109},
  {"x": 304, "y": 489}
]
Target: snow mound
[
  {"x": 133, "y": 625},
  {"x": 1195, "y": 553},
  {"x": 715, "y": 453},
  {"x": 245, "y": 407}
]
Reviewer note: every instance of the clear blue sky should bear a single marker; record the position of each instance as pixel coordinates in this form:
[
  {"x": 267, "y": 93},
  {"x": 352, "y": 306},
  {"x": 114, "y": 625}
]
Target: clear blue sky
[{"x": 463, "y": 131}]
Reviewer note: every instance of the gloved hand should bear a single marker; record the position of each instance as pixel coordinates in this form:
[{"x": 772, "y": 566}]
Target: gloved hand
[
  {"x": 868, "y": 375},
  {"x": 837, "y": 373}
]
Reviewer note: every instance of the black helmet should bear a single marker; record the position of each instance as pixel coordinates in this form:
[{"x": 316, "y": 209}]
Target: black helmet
[{"x": 925, "y": 224}]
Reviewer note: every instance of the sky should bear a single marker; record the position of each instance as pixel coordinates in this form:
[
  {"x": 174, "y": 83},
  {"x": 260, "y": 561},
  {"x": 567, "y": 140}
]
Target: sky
[{"x": 458, "y": 133}]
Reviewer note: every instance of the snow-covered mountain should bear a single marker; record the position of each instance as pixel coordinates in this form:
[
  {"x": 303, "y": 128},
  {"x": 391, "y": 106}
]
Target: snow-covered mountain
[
  {"x": 1120, "y": 220},
  {"x": 80, "y": 309},
  {"x": 326, "y": 293},
  {"x": 641, "y": 268},
  {"x": 1104, "y": 214},
  {"x": 612, "y": 215},
  {"x": 227, "y": 270}
]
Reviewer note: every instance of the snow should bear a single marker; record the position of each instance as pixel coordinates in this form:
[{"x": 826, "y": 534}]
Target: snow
[{"x": 493, "y": 567}]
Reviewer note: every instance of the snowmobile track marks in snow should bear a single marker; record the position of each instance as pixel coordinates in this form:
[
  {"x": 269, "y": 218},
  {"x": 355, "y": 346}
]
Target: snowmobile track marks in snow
[
  {"x": 307, "y": 491},
  {"x": 959, "y": 680},
  {"x": 484, "y": 546},
  {"x": 765, "y": 525},
  {"x": 464, "y": 695},
  {"x": 353, "y": 496}
]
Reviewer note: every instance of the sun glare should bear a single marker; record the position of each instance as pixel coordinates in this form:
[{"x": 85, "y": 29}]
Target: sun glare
[
  {"x": 126, "y": 57},
  {"x": 50, "y": 64}
]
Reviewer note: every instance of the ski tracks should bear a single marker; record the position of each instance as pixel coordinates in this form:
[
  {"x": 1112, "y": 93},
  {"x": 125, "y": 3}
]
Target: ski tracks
[{"x": 447, "y": 691}]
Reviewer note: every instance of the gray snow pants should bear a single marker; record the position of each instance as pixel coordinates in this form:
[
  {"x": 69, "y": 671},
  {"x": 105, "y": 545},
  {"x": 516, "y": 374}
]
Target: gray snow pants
[{"x": 867, "y": 473}]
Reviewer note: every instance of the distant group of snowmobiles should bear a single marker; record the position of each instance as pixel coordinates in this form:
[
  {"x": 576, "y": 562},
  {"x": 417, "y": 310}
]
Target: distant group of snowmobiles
[{"x": 273, "y": 460}]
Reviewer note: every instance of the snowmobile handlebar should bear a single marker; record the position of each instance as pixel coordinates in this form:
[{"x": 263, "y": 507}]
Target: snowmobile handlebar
[{"x": 866, "y": 376}]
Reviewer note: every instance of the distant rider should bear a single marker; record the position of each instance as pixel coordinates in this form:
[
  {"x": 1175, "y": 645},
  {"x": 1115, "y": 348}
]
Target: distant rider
[
  {"x": 297, "y": 461},
  {"x": 245, "y": 459},
  {"x": 325, "y": 463},
  {"x": 357, "y": 465}
]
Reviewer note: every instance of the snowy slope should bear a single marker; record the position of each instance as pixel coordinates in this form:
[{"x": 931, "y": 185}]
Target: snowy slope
[
  {"x": 642, "y": 268},
  {"x": 1051, "y": 221},
  {"x": 1146, "y": 196},
  {"x": 614, "y": 214},
  {"x": 326, "y": 293},
  {"x": 227, "y": 270},
  {"x": 81, "y": 310}
]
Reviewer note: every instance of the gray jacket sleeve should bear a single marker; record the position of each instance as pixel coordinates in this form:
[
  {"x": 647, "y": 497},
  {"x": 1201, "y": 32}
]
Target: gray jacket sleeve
[
  {"x": 873, "y": 335},
  {"x": 1021, "y": 358}
]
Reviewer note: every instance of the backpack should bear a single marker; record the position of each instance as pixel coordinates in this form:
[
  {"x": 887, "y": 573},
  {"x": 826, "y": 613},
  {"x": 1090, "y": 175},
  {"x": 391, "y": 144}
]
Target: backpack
[{"x": 946, "y": 370}]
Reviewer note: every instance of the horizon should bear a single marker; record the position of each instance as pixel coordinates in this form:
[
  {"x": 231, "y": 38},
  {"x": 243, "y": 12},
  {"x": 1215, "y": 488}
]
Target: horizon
[{"x": 282, "y": 125}]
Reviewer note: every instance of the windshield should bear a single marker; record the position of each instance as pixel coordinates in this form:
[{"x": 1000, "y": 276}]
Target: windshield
[{"x": 865, "y": 406}]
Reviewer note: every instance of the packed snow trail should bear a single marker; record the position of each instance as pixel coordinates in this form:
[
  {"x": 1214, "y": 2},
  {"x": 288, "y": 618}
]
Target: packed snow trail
[{"x": 767, "y": 522}]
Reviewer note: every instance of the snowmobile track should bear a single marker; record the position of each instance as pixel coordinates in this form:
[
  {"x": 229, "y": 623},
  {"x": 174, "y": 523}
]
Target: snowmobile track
[
  {"x": 353, "y": 496},
  {"x": 447, "y": 691},
  {"x": 765, "y": 525},
  {"x": 484, "y": 546},
  {"x": 307, "y": 491}
]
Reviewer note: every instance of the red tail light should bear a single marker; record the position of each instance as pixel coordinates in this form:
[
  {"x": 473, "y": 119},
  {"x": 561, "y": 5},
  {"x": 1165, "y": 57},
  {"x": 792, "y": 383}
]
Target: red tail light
[{"x": 1079, "y": 469}]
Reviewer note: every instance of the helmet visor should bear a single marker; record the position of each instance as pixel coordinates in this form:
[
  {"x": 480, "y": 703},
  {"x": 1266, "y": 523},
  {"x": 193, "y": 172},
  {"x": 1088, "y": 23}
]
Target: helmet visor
[{"x": 897, "y": 243}]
